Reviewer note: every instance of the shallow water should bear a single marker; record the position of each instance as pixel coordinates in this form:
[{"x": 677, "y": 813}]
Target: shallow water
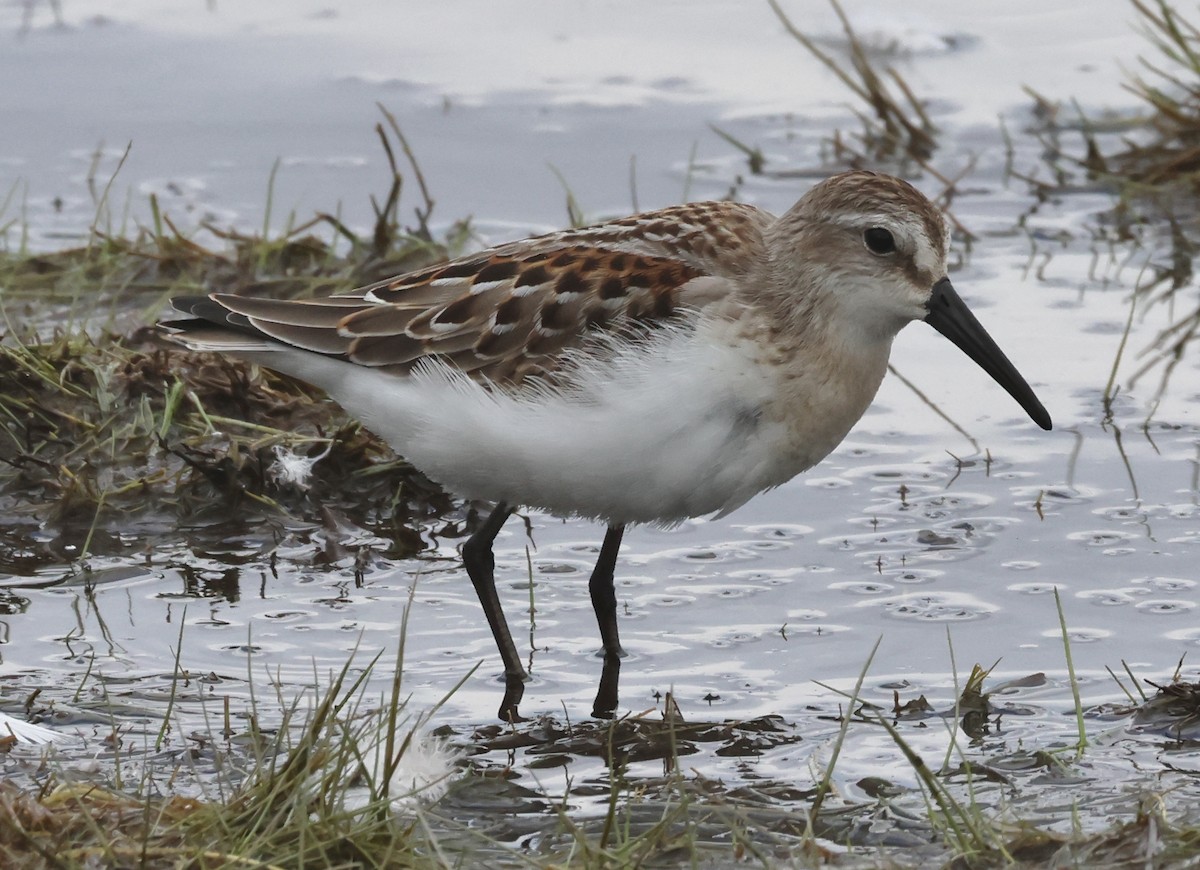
[
  {"x": 945, "y": 550},
  {"x": 490, "y": 95}
]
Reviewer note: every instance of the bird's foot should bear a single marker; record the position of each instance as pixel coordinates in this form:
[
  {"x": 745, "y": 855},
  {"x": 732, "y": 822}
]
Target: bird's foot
[
  {"x": 514, "y": 690},
  {"x": 605, "y": 704}
]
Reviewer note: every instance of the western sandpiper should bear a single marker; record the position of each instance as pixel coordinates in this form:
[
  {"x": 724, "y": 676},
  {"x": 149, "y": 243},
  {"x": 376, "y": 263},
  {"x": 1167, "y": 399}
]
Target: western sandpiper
[{"x": 662, "y": 366}]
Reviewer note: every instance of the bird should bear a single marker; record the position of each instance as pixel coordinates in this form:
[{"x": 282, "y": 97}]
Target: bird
[{"x": 642, "y": 370}]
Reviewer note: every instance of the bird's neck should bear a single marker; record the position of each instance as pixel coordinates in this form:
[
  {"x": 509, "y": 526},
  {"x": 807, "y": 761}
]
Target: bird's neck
[{"x": 826, "y": 370}]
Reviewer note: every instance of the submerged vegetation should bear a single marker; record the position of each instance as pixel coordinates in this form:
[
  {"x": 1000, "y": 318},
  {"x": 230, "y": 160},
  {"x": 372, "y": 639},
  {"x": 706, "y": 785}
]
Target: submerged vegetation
[{"x": 111, "y": 441}]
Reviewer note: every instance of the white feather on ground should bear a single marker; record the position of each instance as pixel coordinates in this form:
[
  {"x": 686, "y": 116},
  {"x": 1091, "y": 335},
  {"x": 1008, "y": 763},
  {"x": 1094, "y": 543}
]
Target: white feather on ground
[
  {"x": 25, "y": 732},
  {"x": 423, "y": 772}
]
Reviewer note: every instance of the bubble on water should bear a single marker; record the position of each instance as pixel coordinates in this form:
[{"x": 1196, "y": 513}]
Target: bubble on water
[
  {"x": 1184, "y": 635},
  {"x": 559, "y": 568},
  {"x": 1020, "y": 565},
  {"x": 828, "y": 482},
  {"x": 1124, "y": 514},
  {"x": 713, "y": 554},
  {"x": 1036, "y": 588},
  {"x": 1101, "y": 538},
  {"x": 860, "y": 587},
  {"x": 767, "y": 546},
  {"x": 722, "y": 589},
  {"x": 254, "y": 648},
  {"x": 1106, "y": 597},
  {"x": 648, "y": 601},
  {"x": 913, "y": 476},
  {"x": 1164, "y": 584},
  {"x": 776, "y": 576},
  {"x": 1078, "y": 634},
  {"x": 913, "y": 576},
  {"x": 954, "y": 500},
  {"x": 814, "y": 628},
  {"x": 1056, "y": 495},
  {"x": 930, "y": 538},
  {"x": 855, "y": 542},
  {"x": 630, "y": 581},
  {"x": 938, "y": 607},
  {"x": 290, "y": 615},
  {"x": 875, "y": 523},
  {"x": 779, "y": 531},
  {"x": 1166, "y": 607}
]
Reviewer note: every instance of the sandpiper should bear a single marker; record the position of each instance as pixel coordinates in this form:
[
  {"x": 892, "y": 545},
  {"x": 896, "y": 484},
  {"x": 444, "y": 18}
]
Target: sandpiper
[{"x": 666, "y": 365}]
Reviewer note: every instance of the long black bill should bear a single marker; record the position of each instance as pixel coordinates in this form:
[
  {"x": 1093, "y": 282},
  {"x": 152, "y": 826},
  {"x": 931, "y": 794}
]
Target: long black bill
[{"x": 950, "y": 316}]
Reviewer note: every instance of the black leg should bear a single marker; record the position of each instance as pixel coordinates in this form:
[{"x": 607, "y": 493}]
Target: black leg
[
  {"x": 481, "y": 564},
  {"x": 604, "y": 596},
  {"x": 604, "y": 602},
  {"x": 605, "y": 705}
]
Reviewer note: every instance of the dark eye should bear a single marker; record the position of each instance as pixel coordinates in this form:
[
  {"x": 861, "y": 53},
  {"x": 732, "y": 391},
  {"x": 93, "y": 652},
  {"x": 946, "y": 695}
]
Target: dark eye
[{"x": 879, "y": 241}]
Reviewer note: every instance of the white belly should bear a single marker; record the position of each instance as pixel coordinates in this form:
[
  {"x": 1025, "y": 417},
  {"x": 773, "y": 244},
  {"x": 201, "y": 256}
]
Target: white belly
[{"x": 653, "y": 432}]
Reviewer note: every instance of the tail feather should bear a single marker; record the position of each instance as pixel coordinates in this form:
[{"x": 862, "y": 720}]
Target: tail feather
[
  {"x": 325, "y": 313},
  {"x": 208, "y": 309},
  {"x": 232, "y": 324}
]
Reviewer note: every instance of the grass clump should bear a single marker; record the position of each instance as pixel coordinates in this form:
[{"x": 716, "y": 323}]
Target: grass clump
[
  {"x": 324, "y": 790},
  {"x": 1162, "y": 173},
  {"x": 108, "y": 433},
  {"x": 1150, "y": 163},
  {"x": 115, "y": 282},
  {"x": 1151, "y": 159},
  {"x": 1170, "y": 90},
  {"x": 1155, "y": 154},
  {"x": 104, "y": 436},
  {"x": 894, "y": 128}
]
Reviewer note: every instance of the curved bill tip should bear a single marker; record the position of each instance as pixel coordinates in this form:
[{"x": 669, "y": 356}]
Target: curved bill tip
[{"x": 950, "y": 316}]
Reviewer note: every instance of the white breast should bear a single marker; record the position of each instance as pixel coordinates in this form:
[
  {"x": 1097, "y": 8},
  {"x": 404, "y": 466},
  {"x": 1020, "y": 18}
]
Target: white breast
[{"x": 654, "y": 432}]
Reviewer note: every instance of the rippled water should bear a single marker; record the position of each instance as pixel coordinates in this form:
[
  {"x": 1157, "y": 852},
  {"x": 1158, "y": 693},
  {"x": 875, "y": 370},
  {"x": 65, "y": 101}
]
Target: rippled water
[{"x": 945, "y": 550}]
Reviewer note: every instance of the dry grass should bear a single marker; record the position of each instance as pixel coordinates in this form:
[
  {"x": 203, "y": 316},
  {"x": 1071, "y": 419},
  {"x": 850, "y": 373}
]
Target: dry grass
[
  {"x": 1170, "y": 90},
  {"x": 1148, "y": 157},
  {"x": 307, "y": 795},
  {"x": 1150, "y": 163},
  {"x": 100, "y": 433},
  {"x": 102, "y": 423},
  {"x": 311, "y": 798},
  {"x": 894, "y": 128}
]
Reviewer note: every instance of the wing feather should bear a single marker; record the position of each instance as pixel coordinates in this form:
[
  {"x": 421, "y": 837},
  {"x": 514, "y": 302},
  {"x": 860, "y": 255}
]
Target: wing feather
[{"x": 508, "y": 313}]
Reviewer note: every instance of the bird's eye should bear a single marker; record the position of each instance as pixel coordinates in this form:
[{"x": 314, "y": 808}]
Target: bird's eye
[{"x": 879, "y": 241}]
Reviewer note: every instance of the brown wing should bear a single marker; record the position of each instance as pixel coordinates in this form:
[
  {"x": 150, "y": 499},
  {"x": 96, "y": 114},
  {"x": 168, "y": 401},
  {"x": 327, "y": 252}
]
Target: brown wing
[{"x": 507, "y": 313}]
